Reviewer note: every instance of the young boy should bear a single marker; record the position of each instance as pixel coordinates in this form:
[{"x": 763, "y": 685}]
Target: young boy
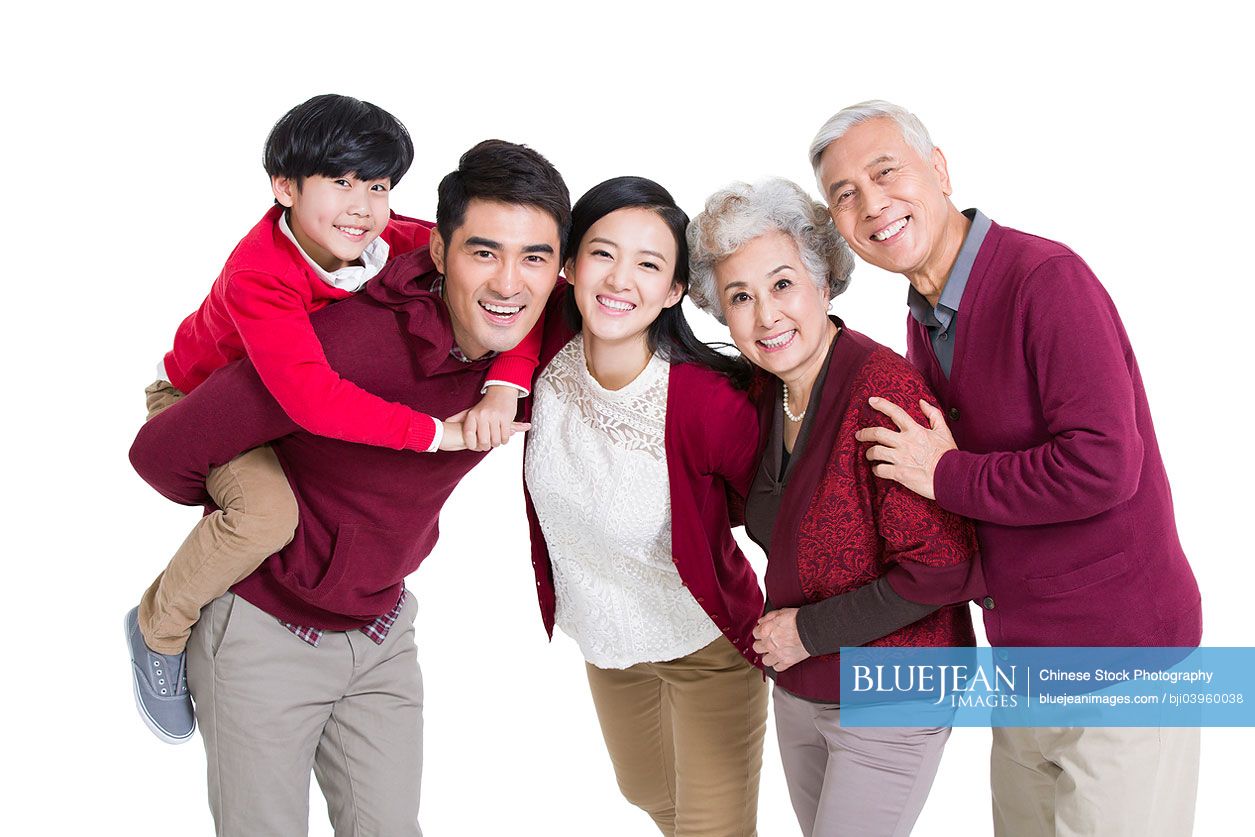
[{"x": 332, "y": 162}]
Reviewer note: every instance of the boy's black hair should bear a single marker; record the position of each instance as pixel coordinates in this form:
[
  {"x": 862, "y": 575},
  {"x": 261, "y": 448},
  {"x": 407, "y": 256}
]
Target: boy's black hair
[
  {"x": 496, "y": 170},
  {"x": 670, "y": 335},
  {"x": 332, "y": 136}
]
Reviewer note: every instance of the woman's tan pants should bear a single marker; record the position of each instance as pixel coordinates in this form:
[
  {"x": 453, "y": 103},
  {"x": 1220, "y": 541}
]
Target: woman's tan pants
[{"x": 686, "y": 739}]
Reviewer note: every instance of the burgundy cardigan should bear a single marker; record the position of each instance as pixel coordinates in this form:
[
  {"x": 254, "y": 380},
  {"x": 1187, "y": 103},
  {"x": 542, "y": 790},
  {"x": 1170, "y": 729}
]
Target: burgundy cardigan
[
  {"x": 711, "y": 442},
  {"x": 840, "y": 527},
  {"x": 368, "y": 515},
  {"x": 1057, "y": 458}
]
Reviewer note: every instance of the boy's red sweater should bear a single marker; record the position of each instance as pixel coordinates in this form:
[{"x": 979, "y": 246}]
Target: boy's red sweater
[
  {"x": 259, "y": 308},
  {"x": 368, "y": 515}
]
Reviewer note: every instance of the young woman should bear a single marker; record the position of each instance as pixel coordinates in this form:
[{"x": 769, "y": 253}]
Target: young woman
[{"x": 639, "y": 433}]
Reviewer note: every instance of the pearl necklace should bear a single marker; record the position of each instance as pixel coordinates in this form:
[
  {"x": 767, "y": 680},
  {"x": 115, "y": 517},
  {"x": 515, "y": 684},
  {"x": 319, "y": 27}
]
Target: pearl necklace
[{"x": 787, "y": 412}]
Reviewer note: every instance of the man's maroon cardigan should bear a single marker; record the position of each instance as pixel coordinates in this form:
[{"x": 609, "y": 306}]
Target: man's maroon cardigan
[
  {"x": 1057, "y": 460},
  {"x": 368, "y": 515}
]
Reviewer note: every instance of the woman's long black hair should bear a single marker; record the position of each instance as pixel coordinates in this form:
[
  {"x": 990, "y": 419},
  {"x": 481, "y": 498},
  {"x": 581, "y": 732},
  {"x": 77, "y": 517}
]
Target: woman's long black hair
[{"x": 670, "y": 334}]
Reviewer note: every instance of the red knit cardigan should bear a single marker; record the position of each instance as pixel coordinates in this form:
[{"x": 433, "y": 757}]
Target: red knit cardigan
[{"x": 841, "y": 527}]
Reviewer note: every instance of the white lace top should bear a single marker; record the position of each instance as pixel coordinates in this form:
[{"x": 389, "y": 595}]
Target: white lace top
[{"x": 597, "y": 473}]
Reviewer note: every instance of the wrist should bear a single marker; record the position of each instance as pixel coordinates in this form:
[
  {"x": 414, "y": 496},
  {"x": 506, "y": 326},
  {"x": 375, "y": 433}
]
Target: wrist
[
  {"x": 502, "y": 389},
  {"x": 802, "y": 622},
  {"x": 450, "y": 436},
  {"x": 437, "y": 435}
]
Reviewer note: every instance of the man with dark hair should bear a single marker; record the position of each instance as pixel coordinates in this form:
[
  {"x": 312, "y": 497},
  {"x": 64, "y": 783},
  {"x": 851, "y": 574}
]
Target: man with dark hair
[
  {"x": 332, "y": 162},
  {"x": 460, "y": 187},
  {"x": 310, "y": 661}
]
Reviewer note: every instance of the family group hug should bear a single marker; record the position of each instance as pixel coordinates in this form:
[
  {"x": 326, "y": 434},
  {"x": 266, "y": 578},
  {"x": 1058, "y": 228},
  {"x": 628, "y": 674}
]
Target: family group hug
[{"x": 351, "y": 365}]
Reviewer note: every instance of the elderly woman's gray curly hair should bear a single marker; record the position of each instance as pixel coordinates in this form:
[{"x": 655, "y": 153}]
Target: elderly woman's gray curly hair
[{"x": 740, "y": 212}]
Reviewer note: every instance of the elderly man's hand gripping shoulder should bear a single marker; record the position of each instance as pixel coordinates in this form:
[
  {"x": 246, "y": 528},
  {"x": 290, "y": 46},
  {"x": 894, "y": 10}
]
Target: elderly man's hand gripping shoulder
[{"x": 910, "y": 454}]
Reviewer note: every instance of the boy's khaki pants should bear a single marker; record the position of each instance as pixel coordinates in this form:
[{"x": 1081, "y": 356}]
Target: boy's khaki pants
[{"x": 256, "y": 518}]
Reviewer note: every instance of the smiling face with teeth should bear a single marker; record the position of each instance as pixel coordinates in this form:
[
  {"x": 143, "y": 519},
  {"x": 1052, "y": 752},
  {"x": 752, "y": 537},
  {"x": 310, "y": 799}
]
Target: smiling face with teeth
[
  {"x": 499, "y": 268},
  {"x": 623, "y": 275},
  {"x": 776, "y": 311},
  {"x": 334, "y": 218},
  {"x": 891, "y": 204}
]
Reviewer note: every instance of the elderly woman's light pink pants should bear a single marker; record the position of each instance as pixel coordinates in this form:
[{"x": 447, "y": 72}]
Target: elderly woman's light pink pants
[{"x": 853, "y": 781}]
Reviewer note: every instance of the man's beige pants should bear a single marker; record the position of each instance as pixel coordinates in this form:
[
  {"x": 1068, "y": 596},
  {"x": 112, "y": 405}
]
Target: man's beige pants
[
  {"x": 686, "y": 739},
  {"x": 272, "y": 707},
  {"x": 1087, "y": 781},
  {"x": 256, "y": 518}
]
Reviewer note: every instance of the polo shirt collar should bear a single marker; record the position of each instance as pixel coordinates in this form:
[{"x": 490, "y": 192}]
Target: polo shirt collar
[{"x": 951, "y": 294}]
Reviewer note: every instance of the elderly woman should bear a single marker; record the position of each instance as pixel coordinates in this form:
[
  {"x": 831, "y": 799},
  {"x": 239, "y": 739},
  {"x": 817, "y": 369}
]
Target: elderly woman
[{"x": 851, "y": 559}]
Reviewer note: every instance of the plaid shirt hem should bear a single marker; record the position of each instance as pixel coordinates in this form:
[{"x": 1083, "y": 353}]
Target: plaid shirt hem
[{"x": 377, "y": 631}]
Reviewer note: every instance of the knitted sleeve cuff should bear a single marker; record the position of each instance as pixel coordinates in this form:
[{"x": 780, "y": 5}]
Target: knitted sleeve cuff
[{"x": 424, "y": 434}]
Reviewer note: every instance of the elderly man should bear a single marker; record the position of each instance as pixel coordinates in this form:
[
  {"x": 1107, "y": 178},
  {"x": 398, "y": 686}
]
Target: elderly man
[
  {"x": 310, "y": 661},
  {"x": 1045, "y": 440}
]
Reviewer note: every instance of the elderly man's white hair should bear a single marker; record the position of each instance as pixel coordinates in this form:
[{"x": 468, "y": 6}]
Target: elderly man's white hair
[
  {"x": 739, "y": 213},
  {"x": 913, "y": 131}
]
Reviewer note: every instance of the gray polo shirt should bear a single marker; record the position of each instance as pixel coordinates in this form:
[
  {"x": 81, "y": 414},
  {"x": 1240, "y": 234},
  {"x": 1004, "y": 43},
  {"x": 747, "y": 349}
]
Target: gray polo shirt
[{"x": 941, "y": 320}]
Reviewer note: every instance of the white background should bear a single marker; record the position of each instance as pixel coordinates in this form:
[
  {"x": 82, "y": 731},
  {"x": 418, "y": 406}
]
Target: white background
[{"x": 132, "y": 136}]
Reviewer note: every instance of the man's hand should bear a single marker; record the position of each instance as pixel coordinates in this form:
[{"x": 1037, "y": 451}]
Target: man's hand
[
  {"x": 910, "y": 455},
  {"x": 776, "y": 638},
  {"x": 490, "y": 423},
  {"x": 455, "y": 436}
]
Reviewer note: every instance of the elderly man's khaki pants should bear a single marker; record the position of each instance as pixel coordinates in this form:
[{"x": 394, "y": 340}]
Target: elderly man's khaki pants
[
  {"x": 1086, "y": 781},
  {"x": 272, "y": 707}
]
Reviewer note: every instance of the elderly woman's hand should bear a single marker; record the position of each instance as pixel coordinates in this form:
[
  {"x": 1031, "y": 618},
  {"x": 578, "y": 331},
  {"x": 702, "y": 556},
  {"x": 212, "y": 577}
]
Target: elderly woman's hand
[
  {"x": 776, "y": 638},
  {"x": 910, "y": 455}
]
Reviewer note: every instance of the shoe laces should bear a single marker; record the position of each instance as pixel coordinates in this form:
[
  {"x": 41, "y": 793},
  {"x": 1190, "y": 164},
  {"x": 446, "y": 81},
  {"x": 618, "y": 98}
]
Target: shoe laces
[{"x": 168, "y": 682}]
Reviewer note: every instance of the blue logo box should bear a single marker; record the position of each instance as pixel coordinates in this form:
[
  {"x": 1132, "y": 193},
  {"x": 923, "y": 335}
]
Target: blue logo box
[{"x": 1048, "y": 687}]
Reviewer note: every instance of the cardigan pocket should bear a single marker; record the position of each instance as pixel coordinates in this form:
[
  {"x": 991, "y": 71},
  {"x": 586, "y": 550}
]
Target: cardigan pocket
[{"x": 1094, "y": 572}]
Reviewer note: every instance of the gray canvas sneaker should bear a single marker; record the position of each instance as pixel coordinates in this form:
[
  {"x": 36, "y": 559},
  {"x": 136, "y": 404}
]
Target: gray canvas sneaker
[{"x": 161, "y": 693}]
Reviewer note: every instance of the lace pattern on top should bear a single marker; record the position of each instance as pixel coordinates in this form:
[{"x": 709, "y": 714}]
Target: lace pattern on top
[
  {"x": 597, "y": 473},
  {"x": 632, "y": 418}
]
